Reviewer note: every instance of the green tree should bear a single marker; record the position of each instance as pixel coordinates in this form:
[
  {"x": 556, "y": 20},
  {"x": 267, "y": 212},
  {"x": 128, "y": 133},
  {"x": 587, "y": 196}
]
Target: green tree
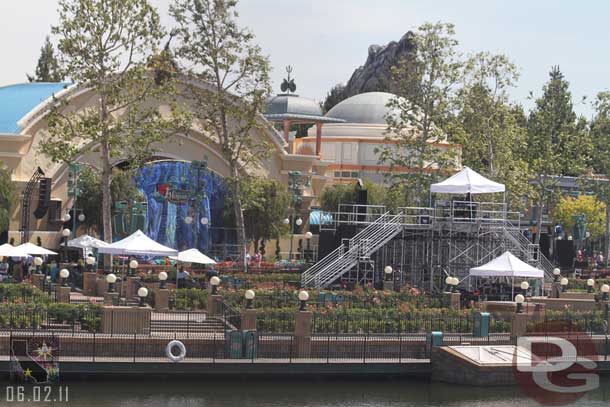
[
  {"x": 491, "y": 131},
  {"x": 109, "y": 46},
  {"x": 47, "y": 69},
  {"x": 7, "y": 197},
  {"x": 557, "y": 143},
  {"x": 333, "y": 97},
  {"x": 346, "y": 194},
  {"x": 265, "y": 205},
  {"x": 123, "y": 188},
  {"x": 600, "y": 165},
  {"x": 224, "y": 56},
  {"x": 567, "y": 207},
  {"x": 425, "y": 85}
]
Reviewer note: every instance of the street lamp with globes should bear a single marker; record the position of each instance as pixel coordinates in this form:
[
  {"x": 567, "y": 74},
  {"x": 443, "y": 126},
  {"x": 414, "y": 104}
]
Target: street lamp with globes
[
  {"x": 142, "y": 293},
  {"x": 303, "y": 297},
  {"x": 64, "y": 274},
  {"x": 111, "y": 279},
  {"x": 519, "y": 299},
  {"x": 162, "y": 279},
  {"x": 38, "y": 262},
  {"x": 249, "y": 294},
  {"x": 133, "y": 266},
  {"x": 214, "y": 282}
]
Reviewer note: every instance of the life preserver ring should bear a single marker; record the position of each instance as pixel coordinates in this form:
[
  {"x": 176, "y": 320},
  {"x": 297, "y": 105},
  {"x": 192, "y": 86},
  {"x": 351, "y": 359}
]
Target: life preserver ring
[{"x": 175, "y": 358}]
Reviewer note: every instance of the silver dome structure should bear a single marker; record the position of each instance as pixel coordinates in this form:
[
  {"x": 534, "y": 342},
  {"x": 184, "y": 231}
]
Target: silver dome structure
[
  {"x": 366, "y": 108},
  {"x": 287, "y": 106}
]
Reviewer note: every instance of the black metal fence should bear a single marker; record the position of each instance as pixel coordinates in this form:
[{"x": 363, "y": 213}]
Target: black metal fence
[{"x": 260, "y": 347}]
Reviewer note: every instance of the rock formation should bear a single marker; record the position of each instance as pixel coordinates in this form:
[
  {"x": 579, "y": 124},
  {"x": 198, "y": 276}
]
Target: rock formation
[{"x": 375, "y": 74}]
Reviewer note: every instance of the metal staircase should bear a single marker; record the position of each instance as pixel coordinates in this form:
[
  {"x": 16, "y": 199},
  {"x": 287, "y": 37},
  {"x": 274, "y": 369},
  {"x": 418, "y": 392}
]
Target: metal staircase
[
  {"x": 530, "y": 252},
  {"x": 358, "y": 248}
]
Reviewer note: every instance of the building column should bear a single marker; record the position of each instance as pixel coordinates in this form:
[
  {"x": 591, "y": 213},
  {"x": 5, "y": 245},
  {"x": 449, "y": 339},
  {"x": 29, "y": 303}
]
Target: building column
[
  {"x": 248, "y": 320},
  {"x": 302, "y": 333},
  {"x": 287, "y": 134},
  {"x": 319, "y": 139}
]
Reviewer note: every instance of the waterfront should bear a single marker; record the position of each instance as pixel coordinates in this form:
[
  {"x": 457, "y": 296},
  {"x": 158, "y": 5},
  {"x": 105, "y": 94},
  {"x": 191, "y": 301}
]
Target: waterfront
[{"x": 305, "y": 393}]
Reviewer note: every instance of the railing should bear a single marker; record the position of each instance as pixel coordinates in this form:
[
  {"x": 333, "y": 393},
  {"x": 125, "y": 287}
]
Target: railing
[
  {"x": 263, "y": 347},
  {"x": 230, "y": 316},
  {"x": 363, "y": 244}
]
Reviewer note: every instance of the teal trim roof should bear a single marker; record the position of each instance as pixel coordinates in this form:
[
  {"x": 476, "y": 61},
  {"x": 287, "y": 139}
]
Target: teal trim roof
[{"x": 18, "y": 100}]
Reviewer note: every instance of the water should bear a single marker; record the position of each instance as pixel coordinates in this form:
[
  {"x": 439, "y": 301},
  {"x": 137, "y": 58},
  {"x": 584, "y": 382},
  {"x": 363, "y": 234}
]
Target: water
[{"x": 282, "y": 393}]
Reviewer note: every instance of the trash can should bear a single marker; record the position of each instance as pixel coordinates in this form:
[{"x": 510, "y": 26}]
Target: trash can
[
  {"x": 233, "y": 344},
  {"x": 481, "y": 325},
  {"x": 435, "y": 338},
  {"x": 250, "y": 344}
]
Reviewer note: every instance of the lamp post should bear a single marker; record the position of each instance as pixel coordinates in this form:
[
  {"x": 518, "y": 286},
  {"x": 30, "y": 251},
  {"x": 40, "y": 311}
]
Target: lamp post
[
  {"x": 64, "y": 274},
  {"x": 605, "y": 291},
  {"x": 65, "y": 234},
  {"x": 142, "y": 293},
  {"x": 387, "y": 270},
  {"x": 133, "y": 266},
  {"x": 37, "y": 263},
  {"x": 564, "y": 284},
  {"x": 250, "y": 294},
  {"x": 214, "y": 282},
  {"x": 448, "y": 283},
  {"x": 111, "y": 279},
  {"x": 303, "y": 297},
  {"x": 90, "y": 262},
  {"x": 524, "y": 287},
  {"x": 162, "y": 279},
  {"x": 556, "y": 274},
  {"x": 590, "y": 285},
  {"x": 308, "y": 237},
  {"x": 519, "y": 299},
  {"x": 452, "y": 283}
]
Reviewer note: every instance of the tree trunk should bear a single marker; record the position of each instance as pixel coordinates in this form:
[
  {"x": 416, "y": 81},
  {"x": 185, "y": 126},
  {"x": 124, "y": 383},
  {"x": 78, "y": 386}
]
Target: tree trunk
[
  {"x": 106, "y": 196},
  {"x": 239, "y": 217},
  {"x": 607, "y": 236},
  {"x": 539, "y": 220}
]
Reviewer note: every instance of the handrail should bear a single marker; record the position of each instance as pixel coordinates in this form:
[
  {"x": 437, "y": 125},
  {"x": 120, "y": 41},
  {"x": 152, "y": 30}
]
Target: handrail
[{"x": 343, "y": 258}]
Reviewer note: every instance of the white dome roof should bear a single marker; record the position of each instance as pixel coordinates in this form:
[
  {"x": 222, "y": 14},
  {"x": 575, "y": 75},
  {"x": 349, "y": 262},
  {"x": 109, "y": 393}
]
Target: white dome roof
[{"x": 369, "y": 108}]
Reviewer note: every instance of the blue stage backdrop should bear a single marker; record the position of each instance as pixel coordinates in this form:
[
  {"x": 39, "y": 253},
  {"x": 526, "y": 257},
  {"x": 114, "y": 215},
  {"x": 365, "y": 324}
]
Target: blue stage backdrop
[{"x": 179, "y": 195}]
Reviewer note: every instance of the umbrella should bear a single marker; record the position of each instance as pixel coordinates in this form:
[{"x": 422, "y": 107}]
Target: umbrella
[{"x": 193, "y": 256}]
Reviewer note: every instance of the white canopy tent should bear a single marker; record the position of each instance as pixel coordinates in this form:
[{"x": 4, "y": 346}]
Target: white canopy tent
[
  {"x": 467, "y": 181},
  {"x": 193, "y": 256},
  {"x": 507, "y": 265},
  {"x": 138, "y": 244},
  {"x": 29, "y": 249},
  {"x": 5, "y": 248}
]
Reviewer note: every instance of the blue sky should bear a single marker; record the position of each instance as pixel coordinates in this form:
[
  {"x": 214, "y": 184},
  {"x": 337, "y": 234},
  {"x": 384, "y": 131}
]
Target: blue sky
[{"x": 325, "y": 40}]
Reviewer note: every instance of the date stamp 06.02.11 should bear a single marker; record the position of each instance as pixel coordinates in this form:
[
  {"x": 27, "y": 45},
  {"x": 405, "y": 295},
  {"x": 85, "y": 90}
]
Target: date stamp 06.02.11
[{"x": 35, "y": 394}]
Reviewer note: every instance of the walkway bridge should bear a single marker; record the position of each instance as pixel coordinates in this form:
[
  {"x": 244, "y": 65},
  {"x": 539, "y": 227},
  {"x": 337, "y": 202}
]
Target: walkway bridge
[{"x": 422, "y": 245}]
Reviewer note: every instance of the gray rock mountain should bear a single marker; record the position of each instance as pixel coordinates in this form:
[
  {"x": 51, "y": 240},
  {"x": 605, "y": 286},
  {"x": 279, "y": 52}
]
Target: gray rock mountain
[{"x": 375, "y": 74}]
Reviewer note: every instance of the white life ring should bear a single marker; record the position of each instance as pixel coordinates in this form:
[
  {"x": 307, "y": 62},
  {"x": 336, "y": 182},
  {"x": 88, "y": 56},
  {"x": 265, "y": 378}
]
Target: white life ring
[{"x": 175, "y": 358}]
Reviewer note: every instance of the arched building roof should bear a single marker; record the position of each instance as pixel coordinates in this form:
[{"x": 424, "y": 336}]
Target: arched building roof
[{"x": 18, "y": 100}]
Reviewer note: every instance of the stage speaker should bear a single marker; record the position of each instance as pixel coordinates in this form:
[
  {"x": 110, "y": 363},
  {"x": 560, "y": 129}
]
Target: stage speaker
[
  {"x": 565, "y": 252},
  {"x": 55, "y": 214},
  {"x": 545, "y": 245},
  {"x": 327, "y": 243},
  {"x": 361, "y": 201},
  {"x": 44, "y": 198}
]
